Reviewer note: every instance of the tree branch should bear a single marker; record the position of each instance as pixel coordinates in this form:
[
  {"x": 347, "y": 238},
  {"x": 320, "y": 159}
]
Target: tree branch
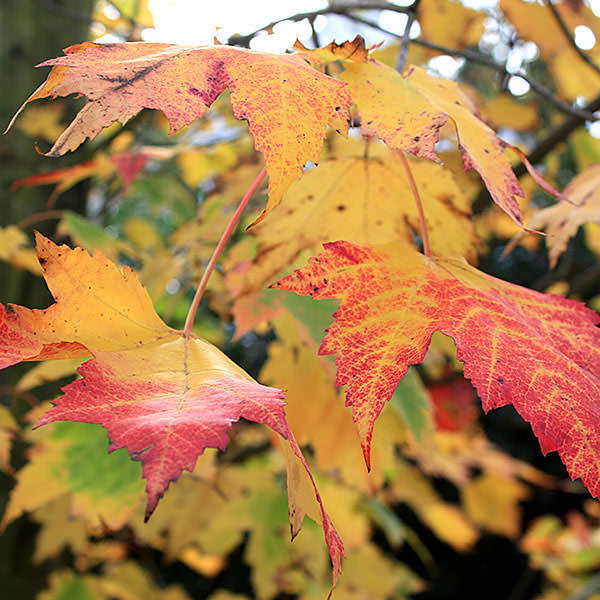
[
  {"x": 337, "y": 8},
  {"x": 345, "y": 9},
  {"x": 556, "y": 136},
  {"x": 475, "y": 57},
  {"x": 405, "y": 43},
  {"x": 560, "y": 22}
]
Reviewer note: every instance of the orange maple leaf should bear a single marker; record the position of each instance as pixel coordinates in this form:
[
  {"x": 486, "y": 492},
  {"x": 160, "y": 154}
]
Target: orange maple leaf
[
  {"x": 161, "y": 394},
  {"x": 539, "y": 352},
  {"x": 287, "y": 103}
]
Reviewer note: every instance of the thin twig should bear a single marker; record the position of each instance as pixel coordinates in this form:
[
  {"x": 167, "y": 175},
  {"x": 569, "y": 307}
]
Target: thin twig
[
  {"x": 189, "y": 322},
  {"x": 314, "y": 34},
  {"x": 556, "y": 136},
  {"x": 415, "y": 191},
  {"x": 405, "y": 43},
  {"x": 560, "y": 22},
  {"x": 339, "y": 8},
  {"x": 475, "y": 57},
  {"x": 44, "y": 215}
]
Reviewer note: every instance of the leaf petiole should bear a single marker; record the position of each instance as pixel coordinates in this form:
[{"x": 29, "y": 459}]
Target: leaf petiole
[
  {"x": 415, "y": 191},
  {"x": 189, "y": 321}
]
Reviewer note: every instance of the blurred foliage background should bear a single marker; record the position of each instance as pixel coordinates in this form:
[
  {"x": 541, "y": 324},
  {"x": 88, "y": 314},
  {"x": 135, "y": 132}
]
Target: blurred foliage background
[{"x": 458, "y": 504}]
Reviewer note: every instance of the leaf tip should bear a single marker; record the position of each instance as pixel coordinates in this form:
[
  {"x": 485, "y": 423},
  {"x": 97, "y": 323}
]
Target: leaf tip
[
  {"x": 260, "y": 217},
  {"x": 149, "y": 509},
  {"x": 366, "y": 448},
  {"x": 293, "y": 532}
]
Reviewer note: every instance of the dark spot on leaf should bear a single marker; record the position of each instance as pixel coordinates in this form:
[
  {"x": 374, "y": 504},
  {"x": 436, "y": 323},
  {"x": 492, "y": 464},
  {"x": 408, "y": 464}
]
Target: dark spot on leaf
[
  {"x": 341, "y": 208},
  {"x": 500, "y": 380}
]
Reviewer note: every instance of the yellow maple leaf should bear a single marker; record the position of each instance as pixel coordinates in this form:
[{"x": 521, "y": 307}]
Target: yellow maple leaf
[{"x": 364, "y": 200}]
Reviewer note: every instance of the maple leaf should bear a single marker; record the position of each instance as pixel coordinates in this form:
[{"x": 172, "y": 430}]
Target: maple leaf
[
  {"x": 361, "y": 200},
  {"x": 573, "y": 77},
  {"x": 562, "y": 220},
  {"x": 59, "y": 530},
  {"x": 159, "y": 393},
  {"x": 537, "y": 351},
  {"x": 287, "y": 103},
  {"x": 406, "y": 112},
  {"x": 315, "y": 408},
  {"x": 535, "y": 22}
]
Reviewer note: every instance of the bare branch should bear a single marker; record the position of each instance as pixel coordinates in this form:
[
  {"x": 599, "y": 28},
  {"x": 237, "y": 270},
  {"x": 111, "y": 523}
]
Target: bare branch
[
  {"x": 337, "y": 8},
  {"x": 556, "y": 136},
  {"x": 314, "y": 34},
  {"x": 475, "y": 57},
  {"x": 560, "y": 22},
  {"x": 405, "y": 43}
]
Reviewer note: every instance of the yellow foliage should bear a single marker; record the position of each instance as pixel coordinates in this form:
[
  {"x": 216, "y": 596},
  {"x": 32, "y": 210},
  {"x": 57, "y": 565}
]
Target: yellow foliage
[
  {"x": 16, "y": 250},
  {"x": 505, "y": 111},
  {"x": 46, "y": 371},
  {"x": 445, "y": 520},
  {"x": 492, "y": 503},
  {"x": 449, "y": 23}
]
